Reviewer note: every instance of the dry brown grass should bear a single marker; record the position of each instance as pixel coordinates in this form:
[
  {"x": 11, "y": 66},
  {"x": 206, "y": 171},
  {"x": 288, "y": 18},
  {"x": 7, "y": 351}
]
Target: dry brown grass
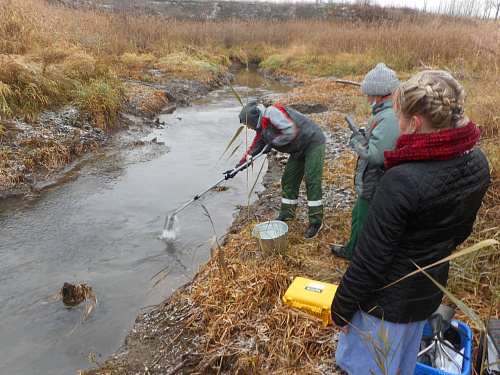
[
  {"x": 41, "y": 153},
  {"x": 344, "y": 45},
  {"x": 72, "y": 46},
  {"x": 7, "y": 130},
  {"x": 38, "y": 155},
  {"x": 241, "y": 322},
  {"x": 339, "y": 172},
  {"x": 148, "y": 99},
  {"x": 52, "y": 54},
  {"x": 9, "y": 174}
]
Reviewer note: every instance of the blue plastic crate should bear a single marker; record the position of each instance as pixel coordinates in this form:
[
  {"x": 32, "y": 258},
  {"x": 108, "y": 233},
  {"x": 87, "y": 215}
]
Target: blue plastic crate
[{"x": 466, "y": 342}]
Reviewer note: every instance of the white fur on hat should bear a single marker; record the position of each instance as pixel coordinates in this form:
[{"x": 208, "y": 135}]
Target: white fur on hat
[{"x": 379, "y": 81}]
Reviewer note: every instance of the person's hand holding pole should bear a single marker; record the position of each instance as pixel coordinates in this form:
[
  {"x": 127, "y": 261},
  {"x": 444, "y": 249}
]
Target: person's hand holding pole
[
  {"x": 356, "y": 132},
  {"x": 230, "y": 173},
  {"x": 268, "y": 147}
]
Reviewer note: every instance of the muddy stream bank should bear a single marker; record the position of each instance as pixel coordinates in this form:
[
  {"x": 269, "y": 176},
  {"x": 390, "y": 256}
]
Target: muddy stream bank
[{"x": 165, "y": 339}]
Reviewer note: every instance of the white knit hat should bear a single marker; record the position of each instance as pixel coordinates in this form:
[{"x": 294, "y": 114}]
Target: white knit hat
[{"x": 379, "y": 81}]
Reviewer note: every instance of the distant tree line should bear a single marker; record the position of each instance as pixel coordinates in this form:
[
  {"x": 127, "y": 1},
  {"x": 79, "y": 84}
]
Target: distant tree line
[{"x": 480, "y": 9}]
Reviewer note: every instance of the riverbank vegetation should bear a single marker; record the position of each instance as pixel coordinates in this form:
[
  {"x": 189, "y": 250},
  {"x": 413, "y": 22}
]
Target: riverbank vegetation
[
  {"x": 231, "y": 317},
  {"x": 71, "y": 55},
  {"x": 52, "y": 56}
]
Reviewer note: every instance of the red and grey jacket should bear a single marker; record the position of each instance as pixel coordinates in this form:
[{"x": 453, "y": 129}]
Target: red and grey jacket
[{"x": 289, "y": 131}]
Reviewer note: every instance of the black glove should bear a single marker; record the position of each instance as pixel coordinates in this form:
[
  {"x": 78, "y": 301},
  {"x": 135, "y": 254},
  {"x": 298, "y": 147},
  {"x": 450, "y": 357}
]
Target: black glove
[
  {"x": 360, "y": 137},
  {"x": 357, "y": 131},
  {"x": 268, "y": 147},
  {"x": 227, "y": 174}
]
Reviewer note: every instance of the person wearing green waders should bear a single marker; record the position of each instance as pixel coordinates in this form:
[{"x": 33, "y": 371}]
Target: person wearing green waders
[
  {"x": 381, "y": 135},
  {"x": 291, "y": 132}
]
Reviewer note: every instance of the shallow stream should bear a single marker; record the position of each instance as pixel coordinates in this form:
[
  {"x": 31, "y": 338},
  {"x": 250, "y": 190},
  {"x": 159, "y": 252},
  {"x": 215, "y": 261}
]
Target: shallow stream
[{"x": 100, "y": 226}]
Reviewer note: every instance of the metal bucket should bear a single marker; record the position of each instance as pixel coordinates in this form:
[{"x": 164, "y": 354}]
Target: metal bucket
[{"x": 271, "y": 236}]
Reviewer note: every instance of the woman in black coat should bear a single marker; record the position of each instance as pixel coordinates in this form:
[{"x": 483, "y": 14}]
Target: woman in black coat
[{"x": 425, "y": 207}]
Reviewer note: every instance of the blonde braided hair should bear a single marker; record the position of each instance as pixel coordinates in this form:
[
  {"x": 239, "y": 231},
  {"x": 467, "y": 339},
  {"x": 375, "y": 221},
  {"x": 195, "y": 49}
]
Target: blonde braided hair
[{"x": 436, "y": 95}]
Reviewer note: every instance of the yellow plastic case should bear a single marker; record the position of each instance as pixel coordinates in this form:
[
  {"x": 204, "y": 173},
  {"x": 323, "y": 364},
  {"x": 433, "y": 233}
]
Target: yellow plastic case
[{"x": 315, "y": 297}]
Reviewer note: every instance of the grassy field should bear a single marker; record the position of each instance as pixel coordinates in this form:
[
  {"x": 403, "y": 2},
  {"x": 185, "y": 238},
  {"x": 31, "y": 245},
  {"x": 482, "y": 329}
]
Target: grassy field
[
  {"x": 52, "y": 56},
  {"x": 70, "y": 55}
]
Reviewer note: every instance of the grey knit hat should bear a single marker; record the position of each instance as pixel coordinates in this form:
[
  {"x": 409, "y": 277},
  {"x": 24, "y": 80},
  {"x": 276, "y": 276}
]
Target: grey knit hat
[
  {"x": 250, "y": 114},
  {"x": 379, "y": 81}
]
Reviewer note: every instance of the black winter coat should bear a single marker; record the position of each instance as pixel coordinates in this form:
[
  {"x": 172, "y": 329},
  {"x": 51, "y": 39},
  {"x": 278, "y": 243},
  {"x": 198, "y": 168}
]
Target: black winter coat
[{"x": 421, "y": 213}]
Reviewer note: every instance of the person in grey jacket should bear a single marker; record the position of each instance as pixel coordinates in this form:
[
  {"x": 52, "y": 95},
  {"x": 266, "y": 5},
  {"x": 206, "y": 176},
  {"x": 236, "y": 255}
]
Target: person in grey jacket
[
  {"x": 291, "y": 132},
  {"x": 381, "y": 135}
]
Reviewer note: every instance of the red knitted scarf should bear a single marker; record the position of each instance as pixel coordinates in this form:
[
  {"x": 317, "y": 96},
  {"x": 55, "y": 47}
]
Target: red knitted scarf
[{"x": 442, "y": 145}]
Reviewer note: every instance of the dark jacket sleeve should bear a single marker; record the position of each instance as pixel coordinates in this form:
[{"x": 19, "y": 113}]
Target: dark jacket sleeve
[
  {"x": 392, "y": 205},
  {"x": 468, "y": 210},
  {"x": 466, "y": 229}
]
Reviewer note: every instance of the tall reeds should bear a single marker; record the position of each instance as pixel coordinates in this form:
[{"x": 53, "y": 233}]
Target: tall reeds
[
  {"x": 72, "y": 42},
  {"x": 52, "y": 55}
]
